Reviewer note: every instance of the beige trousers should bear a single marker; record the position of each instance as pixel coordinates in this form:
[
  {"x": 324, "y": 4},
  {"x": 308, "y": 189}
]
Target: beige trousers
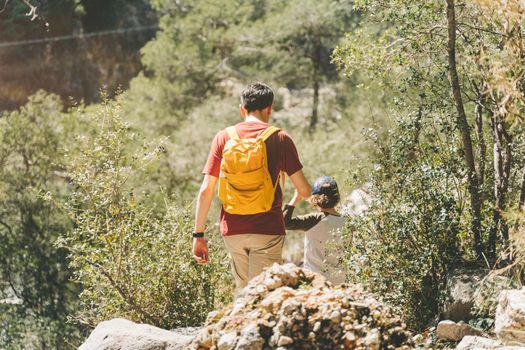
[{"x": 250, "y": 253}]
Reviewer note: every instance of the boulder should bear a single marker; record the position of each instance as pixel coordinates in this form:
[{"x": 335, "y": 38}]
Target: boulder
[
  {"x": 287, "y": 307},
  {"x": 510, "y": 317},
  {"x": 461, "y": 288},
  {"x": 121, "y": 334},
  {"x": 455, "y": 331},
  {"x": 487, "y": 294},
  {"x": 480, "y": 343}
]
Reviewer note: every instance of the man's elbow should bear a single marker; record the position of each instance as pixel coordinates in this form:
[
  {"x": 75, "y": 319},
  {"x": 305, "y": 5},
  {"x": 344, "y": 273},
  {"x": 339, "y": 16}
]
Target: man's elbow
[
  {"x": 205, "y": 192},
  {"x": 207, "y": 187}
]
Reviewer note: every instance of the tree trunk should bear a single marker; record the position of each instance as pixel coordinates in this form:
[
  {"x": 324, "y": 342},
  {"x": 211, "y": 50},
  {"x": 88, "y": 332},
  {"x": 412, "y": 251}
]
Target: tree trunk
[
  {"x": 462, "y": 123},
  {"x": 480, "y": 101},
  {"x": 315, "y": 107},
  {"x": 502, "y": 167},
  {"x": 315, "y": 78}
]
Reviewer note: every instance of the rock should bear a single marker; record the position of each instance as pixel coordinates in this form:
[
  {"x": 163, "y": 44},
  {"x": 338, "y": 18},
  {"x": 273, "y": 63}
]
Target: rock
[
  {"x": 227, "y": 341},
  {"x": 455, "y": 331},
  {"x": 372, "y": 340},
  {"x": 284, "y": 340},
  {"x": 288, "y": 307},
  {"x": 461, "y": 291},
  {"x": 126, "y": 335},
  {"x": 510, "y": 317},
  {"x": 204, "y": 339},
  {"x": 335, "y": 316},
  {"x": 418, "y": 339},
  {"x": 487, "y": 294},
  {"x": 250, "y": 339},
  {"x": 480, "y": 343}
]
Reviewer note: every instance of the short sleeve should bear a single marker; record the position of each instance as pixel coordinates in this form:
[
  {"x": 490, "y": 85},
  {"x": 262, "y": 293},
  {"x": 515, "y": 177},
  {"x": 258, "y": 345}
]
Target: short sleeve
[
  {"x": 290, "y": 162},
  {"x": 213, "y": 164}
]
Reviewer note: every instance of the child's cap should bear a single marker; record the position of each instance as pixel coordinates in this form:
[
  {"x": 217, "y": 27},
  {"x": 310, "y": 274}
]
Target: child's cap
[{"x": 326, "y": 185}]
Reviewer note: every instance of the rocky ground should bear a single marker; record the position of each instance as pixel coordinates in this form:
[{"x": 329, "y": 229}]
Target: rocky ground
[
  {"x": 286, "y": 307},
  {"x": 290, "y": 308},
  {"x": 467, "y": 288}
]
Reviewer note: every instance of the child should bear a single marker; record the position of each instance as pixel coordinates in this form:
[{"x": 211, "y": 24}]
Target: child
[{"x": 321, "y": 229}]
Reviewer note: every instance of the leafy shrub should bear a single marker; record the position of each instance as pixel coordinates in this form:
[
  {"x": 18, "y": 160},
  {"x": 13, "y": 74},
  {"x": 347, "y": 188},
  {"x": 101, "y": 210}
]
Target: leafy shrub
[
  {"x": 402, "y": 246},
  {"x": 36, "y": 294},
  {"x": 132, "y": 256}
]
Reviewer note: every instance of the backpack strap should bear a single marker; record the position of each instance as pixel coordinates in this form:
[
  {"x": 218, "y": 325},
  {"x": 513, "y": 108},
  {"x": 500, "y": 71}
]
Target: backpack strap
[
  {"x": 280, "y": 176},
  {"x": 232, "y": 133},
  {"x": 268, "y": 132}
]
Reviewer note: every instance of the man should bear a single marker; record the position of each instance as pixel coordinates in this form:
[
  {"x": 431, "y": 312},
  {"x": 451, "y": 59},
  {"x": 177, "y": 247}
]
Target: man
[{"x": 253, "y": 241}]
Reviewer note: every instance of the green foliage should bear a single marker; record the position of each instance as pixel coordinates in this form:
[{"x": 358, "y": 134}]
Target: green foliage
[
  {"x": 203, "y": 45},
  {"x": 424, "y": 219},
  {"x": 35, "y": 290},
  {"x": 188, "y": 58},
  {"x": 131, "y": 256},
  {"x": 293, "y": 52},
  {"x": 402, "y": 247}
]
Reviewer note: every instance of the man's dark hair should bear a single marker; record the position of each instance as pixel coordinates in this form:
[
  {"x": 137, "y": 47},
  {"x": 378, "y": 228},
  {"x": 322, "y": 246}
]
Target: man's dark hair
[{"x": 256, "y": 96}]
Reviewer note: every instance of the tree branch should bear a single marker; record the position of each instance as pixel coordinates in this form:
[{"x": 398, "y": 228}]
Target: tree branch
[
  {"x": 465, "y": 130},
  {"x": 5, "y": 6},
  {"x": 128, "y": 298},
  {"x": 32, "y": 10}
]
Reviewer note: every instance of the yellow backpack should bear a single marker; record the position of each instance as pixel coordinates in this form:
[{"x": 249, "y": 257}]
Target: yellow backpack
[{"x": 245, "y": 183}]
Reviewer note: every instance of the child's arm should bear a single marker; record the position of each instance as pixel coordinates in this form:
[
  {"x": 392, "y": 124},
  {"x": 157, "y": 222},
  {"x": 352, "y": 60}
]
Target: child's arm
[{"x": 302, "y": 222}]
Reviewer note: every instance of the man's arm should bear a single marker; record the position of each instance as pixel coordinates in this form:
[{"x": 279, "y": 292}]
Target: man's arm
[
  {"x": 204, "y": 198},
  {"x": 301, "y": 184}
]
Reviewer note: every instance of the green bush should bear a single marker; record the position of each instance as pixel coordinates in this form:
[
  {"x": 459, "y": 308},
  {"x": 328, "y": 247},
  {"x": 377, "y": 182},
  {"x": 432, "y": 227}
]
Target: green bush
[
  {"x": 36, "y": 294},
  {"x": 132, "y": 256},
  {"x": 402, "y": 246}
]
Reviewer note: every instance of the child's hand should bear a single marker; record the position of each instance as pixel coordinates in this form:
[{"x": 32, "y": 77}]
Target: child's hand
[{"x": 295, "y": 199}]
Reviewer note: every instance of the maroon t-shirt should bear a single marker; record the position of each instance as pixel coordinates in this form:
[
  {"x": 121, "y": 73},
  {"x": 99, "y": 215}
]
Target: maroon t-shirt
[{"x": 282, "y": 156}]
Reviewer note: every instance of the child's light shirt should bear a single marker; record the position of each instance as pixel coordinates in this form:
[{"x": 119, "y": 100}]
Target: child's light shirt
[
  {"x": 321, "y": 248},
  {"x": 321, "y": 242}
]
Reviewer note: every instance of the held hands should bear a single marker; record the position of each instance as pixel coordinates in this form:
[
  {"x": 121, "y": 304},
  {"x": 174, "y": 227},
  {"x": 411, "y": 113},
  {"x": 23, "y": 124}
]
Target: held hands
[{"x": 200, "y": 251}]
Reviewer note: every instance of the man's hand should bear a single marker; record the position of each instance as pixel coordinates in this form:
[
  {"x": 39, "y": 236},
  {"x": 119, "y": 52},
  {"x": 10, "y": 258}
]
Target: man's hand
[{"x": 200, "y": 251}]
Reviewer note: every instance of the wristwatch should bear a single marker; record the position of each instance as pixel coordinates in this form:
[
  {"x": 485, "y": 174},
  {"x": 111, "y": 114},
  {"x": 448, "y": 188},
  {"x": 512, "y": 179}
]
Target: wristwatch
[{"x": 198, "y": 234}]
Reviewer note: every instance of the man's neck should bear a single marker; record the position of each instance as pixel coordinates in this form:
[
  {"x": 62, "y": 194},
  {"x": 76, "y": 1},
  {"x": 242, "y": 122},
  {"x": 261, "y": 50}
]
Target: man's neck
[{"x": 254, "y": 118}]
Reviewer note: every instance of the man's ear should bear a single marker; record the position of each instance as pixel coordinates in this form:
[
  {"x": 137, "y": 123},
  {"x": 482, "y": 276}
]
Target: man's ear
[
  {"x": 270, "y": 110},
  {"x": 243, "y": 111}
]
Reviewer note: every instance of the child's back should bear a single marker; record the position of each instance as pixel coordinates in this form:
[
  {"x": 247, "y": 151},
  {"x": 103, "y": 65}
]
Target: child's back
[
  {"x": 322, "y": 230},
  {"x": 321, "y": 251}
]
